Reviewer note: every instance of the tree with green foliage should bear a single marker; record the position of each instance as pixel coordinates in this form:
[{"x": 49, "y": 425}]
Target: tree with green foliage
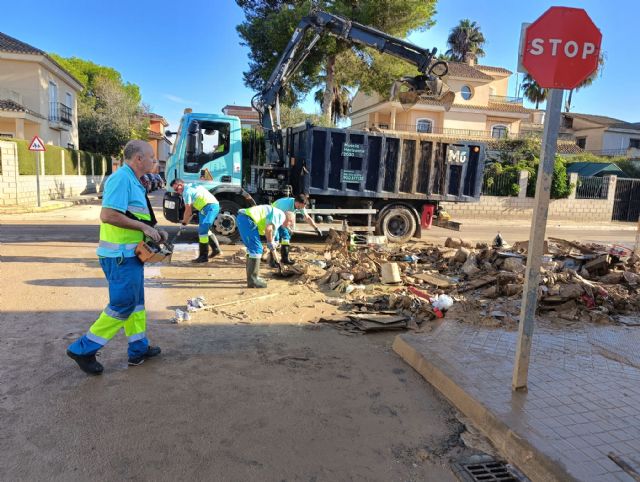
[
  {"x": 585, "y": 83},
  {"x": 465, "y": 39},
  {"x": 514, "y": 155},
  {"x": 269, "y": 25},
  {"x": 532, "y": 91},
  {"x": 110, "y": 111}
]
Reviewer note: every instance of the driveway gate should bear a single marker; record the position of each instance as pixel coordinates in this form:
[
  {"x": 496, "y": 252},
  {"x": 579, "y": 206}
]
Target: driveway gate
[{"x": 626, "y": 206}]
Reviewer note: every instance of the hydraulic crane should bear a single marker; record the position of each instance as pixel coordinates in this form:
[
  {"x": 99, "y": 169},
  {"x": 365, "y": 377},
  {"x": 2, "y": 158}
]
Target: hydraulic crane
[{"x": 407, "y": 89}]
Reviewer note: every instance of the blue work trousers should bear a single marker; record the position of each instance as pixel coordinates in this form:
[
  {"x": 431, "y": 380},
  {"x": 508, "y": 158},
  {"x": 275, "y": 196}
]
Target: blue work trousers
[
  {"x": 207, "y": 216},
  {"x": 283, "y": 236},
  {"x": 250, "y": 235},
  {"x": 125, "y": 309}
]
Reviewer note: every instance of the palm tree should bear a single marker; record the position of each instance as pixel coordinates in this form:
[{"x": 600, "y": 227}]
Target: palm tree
[
  {"x": 532, "y": 91},
  {"x": 585, "y": 83},
  {"x": 465, "y": 39},
  {"x": 340, "y": 102}
]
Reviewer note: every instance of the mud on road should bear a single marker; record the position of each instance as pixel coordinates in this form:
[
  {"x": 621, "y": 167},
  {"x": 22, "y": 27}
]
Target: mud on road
[{"x": 250, "y": 392}]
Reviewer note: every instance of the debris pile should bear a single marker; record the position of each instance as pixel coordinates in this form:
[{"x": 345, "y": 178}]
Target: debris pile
[{"x": 482, "y": 283}]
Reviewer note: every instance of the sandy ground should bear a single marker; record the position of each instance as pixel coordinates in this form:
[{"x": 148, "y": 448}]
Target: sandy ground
[{"x": 252, "y": 392}]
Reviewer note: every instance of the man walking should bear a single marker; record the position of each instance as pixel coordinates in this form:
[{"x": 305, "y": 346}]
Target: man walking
[
  {"x": 199, "y": 198},
  {"x": 253, "y": 222},
  {"x": 294, "y": 206},
  {"x": 126, "y": 218}
]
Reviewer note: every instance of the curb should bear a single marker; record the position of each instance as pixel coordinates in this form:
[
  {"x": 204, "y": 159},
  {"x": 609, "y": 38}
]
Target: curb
[
  {"x": 48, "y": 206},
  {"x": 518, "y": 450}
]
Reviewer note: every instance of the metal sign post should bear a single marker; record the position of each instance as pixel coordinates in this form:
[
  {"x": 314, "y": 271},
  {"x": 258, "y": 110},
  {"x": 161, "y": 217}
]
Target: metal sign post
[
  {"x": 37, "y": 146},
  {"x": 536, "y": 239},
  {"x": 559, "y": 50},
  {"x": 37, "y": 156}
]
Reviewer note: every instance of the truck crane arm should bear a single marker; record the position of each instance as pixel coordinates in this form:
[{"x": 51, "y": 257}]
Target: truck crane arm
[{"x": 428, "y": 84}]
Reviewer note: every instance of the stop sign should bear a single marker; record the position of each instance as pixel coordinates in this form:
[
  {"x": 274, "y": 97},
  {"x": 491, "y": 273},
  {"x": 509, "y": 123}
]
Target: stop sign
[{"x": 562, "y": 48}]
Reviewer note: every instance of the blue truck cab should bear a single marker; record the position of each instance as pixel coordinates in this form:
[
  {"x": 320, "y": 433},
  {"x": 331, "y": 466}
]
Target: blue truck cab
[{"x": 208, "y": 150}]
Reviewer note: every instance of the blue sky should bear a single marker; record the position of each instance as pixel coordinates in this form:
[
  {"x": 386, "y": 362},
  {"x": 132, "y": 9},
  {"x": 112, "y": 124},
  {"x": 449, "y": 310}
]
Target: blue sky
[{"x": 189, "y": 54}]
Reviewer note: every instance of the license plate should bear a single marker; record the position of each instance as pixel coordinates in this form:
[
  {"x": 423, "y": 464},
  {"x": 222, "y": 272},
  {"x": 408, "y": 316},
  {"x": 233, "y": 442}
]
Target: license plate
[{"x": 170, "y": 204}]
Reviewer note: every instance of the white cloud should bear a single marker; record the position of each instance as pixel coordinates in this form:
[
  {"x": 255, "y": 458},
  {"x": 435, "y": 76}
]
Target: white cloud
[{"x": 179, "y": 100}]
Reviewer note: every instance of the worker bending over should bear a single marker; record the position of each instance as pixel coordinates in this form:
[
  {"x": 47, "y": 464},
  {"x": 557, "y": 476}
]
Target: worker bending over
[
  {"x": 200, "y": 199},
  {"x": 253, "y": 222},
  {"x": 294, "y": 206},
  {"x": 126, "y": 218}
]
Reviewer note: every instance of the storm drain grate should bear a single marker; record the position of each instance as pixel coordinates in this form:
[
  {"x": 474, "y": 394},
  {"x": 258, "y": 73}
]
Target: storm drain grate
[{"x": 486, "y": 470}]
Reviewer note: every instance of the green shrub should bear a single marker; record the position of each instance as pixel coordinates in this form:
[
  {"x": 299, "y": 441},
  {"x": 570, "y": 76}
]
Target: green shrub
[
  {"x": 560, "y": 187},
  {"x": 70, "y": 163},
  {"x": 26, "y": 158},
  {"x": 85, "y": 163},
  {"x": 53, "y": 160},
  {"x": 97, "y": 164}
]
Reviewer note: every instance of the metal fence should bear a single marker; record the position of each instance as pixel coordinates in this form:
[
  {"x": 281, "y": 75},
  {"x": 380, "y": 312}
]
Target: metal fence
[
  {"x": 592, "y": 187},
  {"x": 626, "y": 205},
  {"x": 504, "y": 184}
]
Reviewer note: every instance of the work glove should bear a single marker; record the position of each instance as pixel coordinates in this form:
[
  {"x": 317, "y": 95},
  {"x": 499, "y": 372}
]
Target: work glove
[
  {"x": 319, "y": 231},
  {"x": 272, "y": 246}
]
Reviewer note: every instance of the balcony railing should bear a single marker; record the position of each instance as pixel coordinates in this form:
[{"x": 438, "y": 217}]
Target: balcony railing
[
  {"x": 59, "y": 112},
  {"x": 445, "y": 131},
  {"x": 502, "y": 99}
]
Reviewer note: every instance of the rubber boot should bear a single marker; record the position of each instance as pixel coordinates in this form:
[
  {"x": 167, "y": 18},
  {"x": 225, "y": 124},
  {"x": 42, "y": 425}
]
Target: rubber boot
[
  {"x": 272, "y": 261},
  {"x": 253, "y": 270},
  {"x": 215, "y": 246},
  {"x": 284, "y": 254},
  {"x": 202, "y": 258}
]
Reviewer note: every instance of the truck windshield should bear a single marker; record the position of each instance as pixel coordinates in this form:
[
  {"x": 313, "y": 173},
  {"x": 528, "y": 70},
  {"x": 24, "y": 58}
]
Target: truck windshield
[{"x": 207, "y": 141}]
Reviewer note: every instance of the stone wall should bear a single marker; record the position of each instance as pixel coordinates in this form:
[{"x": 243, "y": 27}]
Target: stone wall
[
  {"x": 22, "y": 190},
  {"x": 521, "y": 207}
]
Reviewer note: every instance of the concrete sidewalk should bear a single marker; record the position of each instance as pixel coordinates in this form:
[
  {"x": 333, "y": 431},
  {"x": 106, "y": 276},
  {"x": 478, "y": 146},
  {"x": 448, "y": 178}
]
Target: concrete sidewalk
[
  {"x": 583, "y": 400},
  {"x": 52, "y": 205}
]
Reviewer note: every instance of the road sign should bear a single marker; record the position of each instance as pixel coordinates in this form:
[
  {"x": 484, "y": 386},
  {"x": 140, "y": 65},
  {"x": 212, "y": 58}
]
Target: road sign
[
  {"x": 562, "y": 48},
  {"x": 36, "y": 144}
]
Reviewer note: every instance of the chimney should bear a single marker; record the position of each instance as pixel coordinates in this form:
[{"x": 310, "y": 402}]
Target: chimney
[{"x": 470, "y": 58}]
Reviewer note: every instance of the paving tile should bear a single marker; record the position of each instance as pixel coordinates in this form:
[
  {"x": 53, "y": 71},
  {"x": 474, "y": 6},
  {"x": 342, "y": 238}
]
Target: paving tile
[{"x": 580, "y": 404}]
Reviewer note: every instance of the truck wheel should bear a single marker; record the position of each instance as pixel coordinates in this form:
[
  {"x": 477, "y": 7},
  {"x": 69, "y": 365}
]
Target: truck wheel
[
  {"x": 225, "y": 224},
  {"x": 397, "y": 224}
]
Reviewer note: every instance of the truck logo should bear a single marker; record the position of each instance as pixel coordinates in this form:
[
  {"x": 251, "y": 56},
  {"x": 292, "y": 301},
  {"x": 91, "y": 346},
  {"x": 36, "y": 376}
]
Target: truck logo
[
  {"x": 352, "y": 150},
  {"x": 457, "y": 154}
]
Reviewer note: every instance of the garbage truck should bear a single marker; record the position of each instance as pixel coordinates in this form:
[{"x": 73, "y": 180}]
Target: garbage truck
[{"x": 385, "y": 181}]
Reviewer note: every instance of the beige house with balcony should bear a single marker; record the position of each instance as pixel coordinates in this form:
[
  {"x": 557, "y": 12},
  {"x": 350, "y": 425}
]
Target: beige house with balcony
[
  {"x": 481, "y": 108},
  {"x": 37, "y": 96}
]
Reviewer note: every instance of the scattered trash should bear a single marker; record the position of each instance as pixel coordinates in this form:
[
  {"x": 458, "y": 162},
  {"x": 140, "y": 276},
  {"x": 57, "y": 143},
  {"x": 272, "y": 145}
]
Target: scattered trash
[
  {"x": 180, "y": 316},
  {"x": 196, "y": 304},
  {"x": 390, "y": 273},
  {"x": 479, "y": 283}
]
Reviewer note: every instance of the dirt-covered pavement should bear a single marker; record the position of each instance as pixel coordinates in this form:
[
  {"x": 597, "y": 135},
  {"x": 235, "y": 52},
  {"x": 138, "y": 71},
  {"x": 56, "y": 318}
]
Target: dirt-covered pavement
[{"x": 250, "y": 392}]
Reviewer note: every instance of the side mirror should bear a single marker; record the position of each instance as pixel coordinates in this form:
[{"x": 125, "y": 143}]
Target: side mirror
[{"x": 169, "y": 133}]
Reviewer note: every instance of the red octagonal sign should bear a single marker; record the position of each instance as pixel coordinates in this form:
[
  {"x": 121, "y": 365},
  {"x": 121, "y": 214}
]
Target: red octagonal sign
[{"x": 561, "y": 48}]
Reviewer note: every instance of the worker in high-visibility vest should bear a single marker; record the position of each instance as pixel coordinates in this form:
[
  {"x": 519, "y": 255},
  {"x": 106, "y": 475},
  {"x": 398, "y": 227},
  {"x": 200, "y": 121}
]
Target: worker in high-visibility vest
[
  {"x": 252, "y": 223},
  {"x": 198, "y": 197},
  {"x": 127, "y": 217},
  {"x": 296, "y": 205}
]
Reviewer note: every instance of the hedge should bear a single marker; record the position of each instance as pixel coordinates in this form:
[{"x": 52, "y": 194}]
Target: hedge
[
  {"x": 70, "y": 163},
  {"x": 26, "y": 158},
  {"x": 53, "y": 160}
]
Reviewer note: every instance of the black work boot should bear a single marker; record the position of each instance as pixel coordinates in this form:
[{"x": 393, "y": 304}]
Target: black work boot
[
  {"x": 253, "y": 271},
  {"x": 150, "y": 353},
  {"x": 87, "y": 363},
  {"x": 215, "y": 246},
  {"x": 272, "y": 260},
  {"x": 284, "y": 254},
  {"x": 202, "y": 258}
]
